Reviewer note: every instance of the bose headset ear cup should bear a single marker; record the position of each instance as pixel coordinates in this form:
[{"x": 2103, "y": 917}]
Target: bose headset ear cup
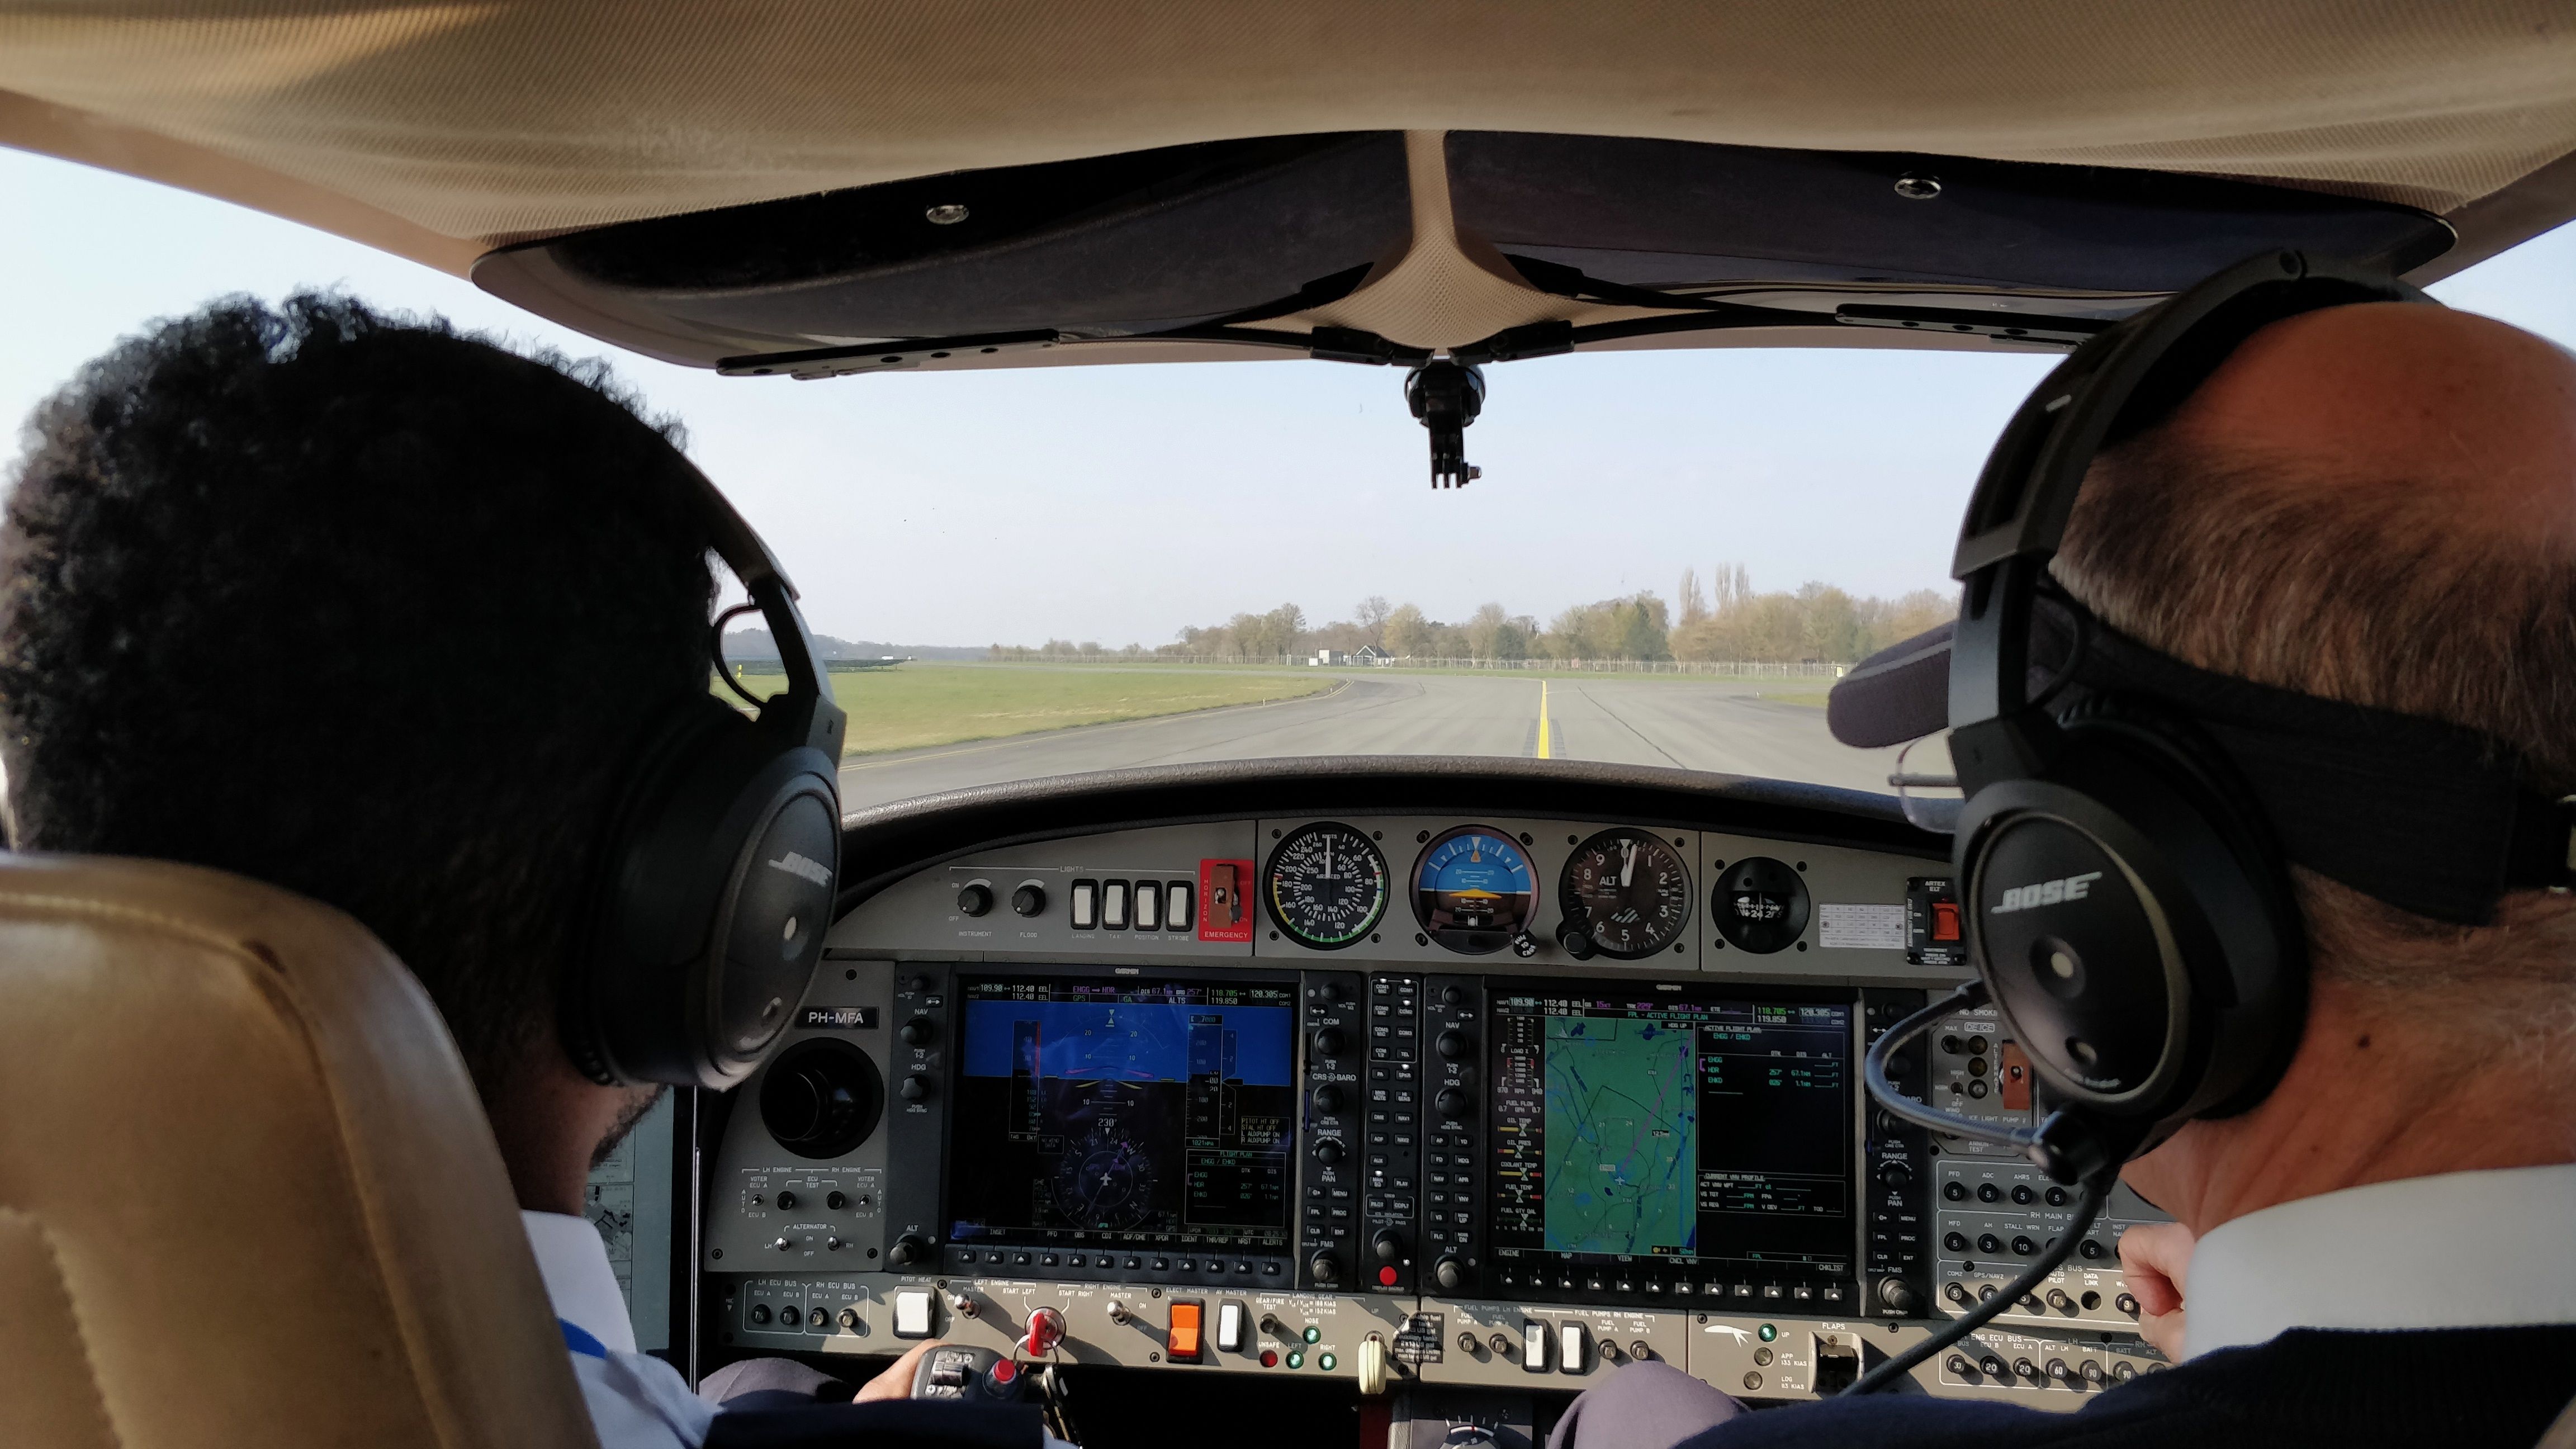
[{"x": 2133, "y": 928}]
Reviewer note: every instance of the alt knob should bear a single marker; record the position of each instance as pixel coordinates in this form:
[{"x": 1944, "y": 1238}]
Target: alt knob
[
  {"x": 918, "y": 1031},
  {"x": 1453, "y": 1045},
  {"x": 975, "y": 900},
  {"x": 1328, "y": 1098},
  {"x": 1454, "y": 1102},
  {"x": 914, "y": 1089},
  {"x": 1328, "y": 1151},
  {"x": 1449, "y": 1275},
  {"x": 1388, "y": 1245},
  {"x": 1328, "y": 1042},
  {"x": 1576, "y": 941},
  {"x": 1325, "y": 1267},
  {"x": 907, "y": 1250},
  {"x": 1898, "y": 1297}
]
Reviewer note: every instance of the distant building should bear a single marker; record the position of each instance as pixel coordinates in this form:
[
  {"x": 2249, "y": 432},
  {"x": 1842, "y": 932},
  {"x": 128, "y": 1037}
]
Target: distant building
[
  {"x": 1371, "y": 654},
  {"x": 1328, "y": 659}
]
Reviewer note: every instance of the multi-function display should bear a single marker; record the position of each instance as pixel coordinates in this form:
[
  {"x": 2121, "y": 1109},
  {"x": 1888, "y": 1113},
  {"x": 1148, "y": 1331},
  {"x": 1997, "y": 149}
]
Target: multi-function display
[
  {"x": 1124, "y": 1112},
  {"x": 1700, "y": 1136}
]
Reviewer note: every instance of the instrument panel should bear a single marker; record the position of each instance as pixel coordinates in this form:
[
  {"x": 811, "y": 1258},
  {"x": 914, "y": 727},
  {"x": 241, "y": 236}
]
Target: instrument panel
[{"x": 1489, "y": 1101}]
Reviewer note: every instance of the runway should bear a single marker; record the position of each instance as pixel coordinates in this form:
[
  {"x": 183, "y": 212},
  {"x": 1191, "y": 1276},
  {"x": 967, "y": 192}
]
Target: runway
[{"x": 1693, "y": 724}]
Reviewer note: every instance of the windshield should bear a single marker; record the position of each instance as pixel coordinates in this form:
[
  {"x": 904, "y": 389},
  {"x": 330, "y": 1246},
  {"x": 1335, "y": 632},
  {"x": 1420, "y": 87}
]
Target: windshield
[{"x": 1669, "y": 557}]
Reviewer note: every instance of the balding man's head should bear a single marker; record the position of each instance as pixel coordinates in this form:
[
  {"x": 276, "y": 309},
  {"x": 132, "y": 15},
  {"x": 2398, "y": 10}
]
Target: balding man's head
[{"x": 2376, "y": 504}]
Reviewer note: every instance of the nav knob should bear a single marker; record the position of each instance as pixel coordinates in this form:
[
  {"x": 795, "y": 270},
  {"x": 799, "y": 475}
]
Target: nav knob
[
  {"x": 1453, "y": 1044},
  {"x": 1449, "y": 1275},
  {"x": 1325, "y": 1267},
  {"x": 918, "y": 1031},
  {"x": 1328, "y": 1150},
  {"x": 975, "y": 900},
  {"x": 914, "y": 1089},
  {"x": 1576, "y": 941},
  {"x": 1328, "y": 1041},
  {"x": 1388, "y": 1245},
  {"x": 1454, "y": 1102},
  {"x": 1898, "y": 1297},
  {"x": 1029, "y": 900},
  {"x": 907, "y": 1250}
]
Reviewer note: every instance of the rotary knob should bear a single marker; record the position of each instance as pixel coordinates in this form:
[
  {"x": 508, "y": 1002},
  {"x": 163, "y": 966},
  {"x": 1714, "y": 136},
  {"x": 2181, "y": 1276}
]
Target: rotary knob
[
  {"x": 1453, "y": 1044},
  {"x": 914, "y": 1089},
  {"x": 1328, "y": 1098},
  {"x": 907, "y": 1250},
  {"x": 1029, "y": 900},
  {"x": 1328, "y": 1151},
  {"x": 975, "y": 900},
  {"x": 1325, "y": 1267},
  {"x": 1898, "y": 1297},
  {"x": 1454, "y": 1102},
  {"x": 1576, "y": 941},
  {"x": 1894, "y": 1174},
  {"x": 1328, "y": 1041},
  {"x": 918, "y": 1031},
  {"x": 1388, "y": 1245},
  {"x": 1449, "y": 1274}
]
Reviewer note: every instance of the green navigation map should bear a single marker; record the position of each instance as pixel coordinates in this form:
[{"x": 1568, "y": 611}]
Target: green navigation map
[{"x": 1622, "y": 1136}]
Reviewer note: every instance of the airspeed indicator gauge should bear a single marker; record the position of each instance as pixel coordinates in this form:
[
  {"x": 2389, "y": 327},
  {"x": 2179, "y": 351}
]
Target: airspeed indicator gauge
[
  {"x": 1325, "y": 886},
  {"x": 1628, "y": 892}
]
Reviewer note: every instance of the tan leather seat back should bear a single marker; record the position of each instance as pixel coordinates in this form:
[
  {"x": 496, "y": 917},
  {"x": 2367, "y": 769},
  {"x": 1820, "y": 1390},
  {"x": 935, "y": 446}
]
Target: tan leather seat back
[{"x": 247, "y": 1193}]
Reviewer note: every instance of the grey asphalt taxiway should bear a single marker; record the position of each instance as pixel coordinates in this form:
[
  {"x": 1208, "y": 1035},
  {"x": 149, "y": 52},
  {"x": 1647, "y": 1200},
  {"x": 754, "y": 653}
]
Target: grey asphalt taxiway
[{"x": 1693, "y": 724}]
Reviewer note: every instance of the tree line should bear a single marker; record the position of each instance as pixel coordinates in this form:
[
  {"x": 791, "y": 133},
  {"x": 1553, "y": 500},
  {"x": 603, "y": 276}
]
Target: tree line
[{"x": 1721, "y": 620}]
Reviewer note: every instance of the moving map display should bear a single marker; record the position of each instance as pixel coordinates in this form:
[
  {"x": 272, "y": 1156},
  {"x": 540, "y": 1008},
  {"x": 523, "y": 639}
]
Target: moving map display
[
  {"x": 1697, "y": 1130},
  {"x": 1127, "y": 1112}
]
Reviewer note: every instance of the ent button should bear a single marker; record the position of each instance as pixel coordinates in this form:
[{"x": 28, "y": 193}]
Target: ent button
[
  {"x": 1182, "y": 1343},
  {"x": 912, "y": 1313}
]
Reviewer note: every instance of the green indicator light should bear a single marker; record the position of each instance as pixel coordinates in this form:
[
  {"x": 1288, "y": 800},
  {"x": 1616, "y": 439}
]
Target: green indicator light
[
  {"x": 1313, "y": 1333},
  {"x": 1325, "y": 1363},
  {"x": 1296, "y": 1359},
  {"x": 1768, "y": 1333}
]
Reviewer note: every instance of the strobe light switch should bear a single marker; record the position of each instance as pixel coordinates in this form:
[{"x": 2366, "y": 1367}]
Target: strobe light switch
[
  {"x": 912, "y": 1313},
  {"x": 1177, "y": 899},
  {"x": 1181, "y": 1343},
  {"x": 1573, "y": 1348},
  {"x": 1229, "y": 1328},
  {"x": 1533, "y": 1345}
]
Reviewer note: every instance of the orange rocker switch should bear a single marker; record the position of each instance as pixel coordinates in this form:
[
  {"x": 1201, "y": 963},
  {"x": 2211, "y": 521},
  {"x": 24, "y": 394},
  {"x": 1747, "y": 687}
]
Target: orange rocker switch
[{"x": 1182, "y": 1344}]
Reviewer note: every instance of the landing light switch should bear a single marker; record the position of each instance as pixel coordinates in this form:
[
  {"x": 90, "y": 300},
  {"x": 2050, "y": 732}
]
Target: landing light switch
[{"x": 1086, "y": 905}]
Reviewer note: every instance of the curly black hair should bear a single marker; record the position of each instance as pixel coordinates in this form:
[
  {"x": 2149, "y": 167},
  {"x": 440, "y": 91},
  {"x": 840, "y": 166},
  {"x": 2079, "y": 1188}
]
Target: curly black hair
[{"x": 359, "y": 606}]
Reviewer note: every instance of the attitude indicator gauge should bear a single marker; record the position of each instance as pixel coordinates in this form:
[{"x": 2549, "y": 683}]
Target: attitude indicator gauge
[
  {"x": 1326, "y": 886},
  {"x": 1105, "y": 1181},
  {"x": 1474, "y": 892},
  {"x": 1626, "y": 895}
]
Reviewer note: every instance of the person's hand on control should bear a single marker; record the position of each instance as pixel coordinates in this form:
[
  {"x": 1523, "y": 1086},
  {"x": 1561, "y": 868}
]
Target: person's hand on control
[
  {"x": 2156, "y": 1259},
  {"x": 895, "y": 1382}
]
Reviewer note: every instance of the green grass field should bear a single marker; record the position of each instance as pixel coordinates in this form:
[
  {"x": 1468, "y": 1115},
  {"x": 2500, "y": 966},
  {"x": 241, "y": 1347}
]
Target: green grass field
[{"x": 921, "y": 703}]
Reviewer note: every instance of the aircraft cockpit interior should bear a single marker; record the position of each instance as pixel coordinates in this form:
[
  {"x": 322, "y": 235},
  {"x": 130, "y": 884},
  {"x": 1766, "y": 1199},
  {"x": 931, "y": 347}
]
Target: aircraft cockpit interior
[{"x": 1299, "y": 1030}]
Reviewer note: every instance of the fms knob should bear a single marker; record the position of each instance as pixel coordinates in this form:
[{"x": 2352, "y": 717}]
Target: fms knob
[
  {"x": 1328, "y": 1041},
  {"x": 1898, "y": 1296},
  {"x": 1388, "y": 1245},
  {"x": 1449, "y": 1274},
  {"x": 1325, "y": 1267},
  {"x": 907, "y": 1250},
  {"x": 975, "y": 900},
  {"x": 1029, "y": 900}
]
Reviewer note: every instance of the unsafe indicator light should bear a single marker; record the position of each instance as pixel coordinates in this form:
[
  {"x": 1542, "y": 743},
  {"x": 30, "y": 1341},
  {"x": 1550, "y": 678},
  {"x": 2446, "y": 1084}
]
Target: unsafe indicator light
[{"x": 1270, "y": 1358}]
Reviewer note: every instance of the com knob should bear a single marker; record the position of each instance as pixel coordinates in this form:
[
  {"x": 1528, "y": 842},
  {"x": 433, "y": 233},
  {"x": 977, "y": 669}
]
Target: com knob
[
  {"x": 1454, "y": 1102},
  {"x": 1453, "y": 1044},
  {"x": 1576, "y": 941},
  {"x": 907, "y": 1251},
  {"x": 1328, "y": 1151},
  {"x": 1388, "y": 1245},
  {"x": 975, "y": 900},
  {"x": 1328, "y": 1098},
  {"x": 1328, "y": 1042},
  {"x": 1325, "y": 1267},
  {"x": 919, "y": 1031},
  {"x": 1450, "y": 1274},
  {"x": 1029, "y": 900},
  {"x": 1898, "y": 1297}
]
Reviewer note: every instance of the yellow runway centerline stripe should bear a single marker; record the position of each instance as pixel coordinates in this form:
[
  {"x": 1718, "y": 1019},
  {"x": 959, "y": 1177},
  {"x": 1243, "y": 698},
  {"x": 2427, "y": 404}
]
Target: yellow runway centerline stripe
[{"x": 1542, "y": 720}]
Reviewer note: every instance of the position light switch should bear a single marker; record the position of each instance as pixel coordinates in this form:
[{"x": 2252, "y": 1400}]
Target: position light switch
[
  {"x": 1149, "y": 905},
  {"x": 912, "y": 1313},
  {"x": 1086, "y": 905},
  {"x": 1181, "y": 1344},
  {"x": 1229, "y": 1328},
  {"x": 1177, "y": 900},
  {"x": 1573, "y": 1341},
  {"x": 1534, "y": 1345}
]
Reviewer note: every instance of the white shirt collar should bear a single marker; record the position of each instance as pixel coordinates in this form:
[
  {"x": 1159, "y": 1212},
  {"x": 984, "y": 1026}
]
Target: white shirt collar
[
  {"x": 2462, "y": 1250},
  {"x": 579, "y": 1280}
]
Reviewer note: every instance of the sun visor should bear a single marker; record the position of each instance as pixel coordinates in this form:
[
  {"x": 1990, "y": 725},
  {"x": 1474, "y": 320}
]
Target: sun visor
[{"x": 1898, "y": 694}]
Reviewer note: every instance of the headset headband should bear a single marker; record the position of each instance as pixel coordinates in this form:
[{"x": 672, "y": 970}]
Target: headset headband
[{"x": 805, "y": 711}]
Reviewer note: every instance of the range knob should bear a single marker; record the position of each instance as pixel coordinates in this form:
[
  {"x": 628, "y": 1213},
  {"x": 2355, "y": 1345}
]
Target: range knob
[
  {"x": 1328, "y": 1151},
  {"x": 1454, "y": 1101},
  {"x": 907, "y": 1250},
  {"x": 1388, "y": 1245},
  {"x": 914, "y": 1089},
  {"x": 1029, "y": 900},
  {"x": 1328, "y": 1041},
  {"x": 1453, "y": 1044},
  {"x": 1894, "y": 1174},
  {"x": 1898, "y": 1297},
  {"x": 1449, "y": 1274},
  {"x": 1576, "y": 941},
  {"x": 1325, "y": 1267},
  {"x": 919, "y": 1031},
  {"x": 975, "y": 900}
]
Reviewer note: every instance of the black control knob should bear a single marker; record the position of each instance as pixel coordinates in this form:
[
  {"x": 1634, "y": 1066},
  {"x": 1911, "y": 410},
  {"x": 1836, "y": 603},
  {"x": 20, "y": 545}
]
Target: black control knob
[
  {"x": 1898, "y": 1297},
  {"x": 1029, "y": 900},
  {"x": 1330, "y": 991},
  {"x": 1450, "y": 1274},
  {"x": 1894, "y": 1175},
  {"x": 914, "y": 1089},
  {"x": 1453, "y": 996},
  {"x": 1991, "y": 1366},
  {"x": 1988, "y": 1192},
  {"x": 2023, "y": 1195},
  {"x": 919, "y": 1031},
  {"x": 2126, "y": 1304},
  {"x": 836, "y": 1201},
  {"x": 907, "y": 1251},
  {"x": 1328, "y": 1151},
  {"x": 1388, "y": 1245},
  {"x": 1576, "y": 941},
  {"x": 1453, "y": 1044},
  {"x": 975, "y": 900},
  {"x": 1328, "y": 1098},
  {"x": 1958, "y": 1366},
  {"x": 1328, "y": 1041},
  {"x": 786, "y": 1199},
  {"x": 1954, "y": 1191},
  {"x": 1523, "y": 944},
  {"x": 1454, "y": 1102},
  {"x": 1325, "y": 1267}
]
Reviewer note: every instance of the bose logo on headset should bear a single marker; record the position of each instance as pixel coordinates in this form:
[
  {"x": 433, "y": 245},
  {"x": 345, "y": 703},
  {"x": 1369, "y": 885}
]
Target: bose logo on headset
[
  {"x": 2047, "y": 892},
  {"x": 801, "y": 868}
]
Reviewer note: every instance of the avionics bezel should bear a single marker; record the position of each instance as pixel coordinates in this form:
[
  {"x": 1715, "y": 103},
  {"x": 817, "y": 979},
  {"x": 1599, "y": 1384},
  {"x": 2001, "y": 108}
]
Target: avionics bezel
[
  {"x": 1033, "y": 1252},
  {"x": 1539, "y": 1275}
]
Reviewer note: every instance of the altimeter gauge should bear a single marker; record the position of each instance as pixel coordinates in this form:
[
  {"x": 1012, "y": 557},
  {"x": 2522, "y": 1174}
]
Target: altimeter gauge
[{"x": 1626, "y": 895}]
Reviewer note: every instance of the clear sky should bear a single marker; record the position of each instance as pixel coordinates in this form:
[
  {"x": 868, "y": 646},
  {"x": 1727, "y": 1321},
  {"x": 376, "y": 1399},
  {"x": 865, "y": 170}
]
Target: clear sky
[{"x": 1119, "y": 503}]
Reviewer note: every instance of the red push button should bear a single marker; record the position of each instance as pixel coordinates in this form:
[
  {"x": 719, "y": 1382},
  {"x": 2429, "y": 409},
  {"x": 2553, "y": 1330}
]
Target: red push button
[
  {"x": 1003, "y": 1371},
  {"x": 1386, "y": 1277}
]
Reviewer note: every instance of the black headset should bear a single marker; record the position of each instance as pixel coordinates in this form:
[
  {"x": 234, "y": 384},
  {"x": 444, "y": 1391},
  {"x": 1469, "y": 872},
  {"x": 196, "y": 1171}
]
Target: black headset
[
  {"x": 2128, "y": 909},
  {"x": 716, "y": 873}
]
